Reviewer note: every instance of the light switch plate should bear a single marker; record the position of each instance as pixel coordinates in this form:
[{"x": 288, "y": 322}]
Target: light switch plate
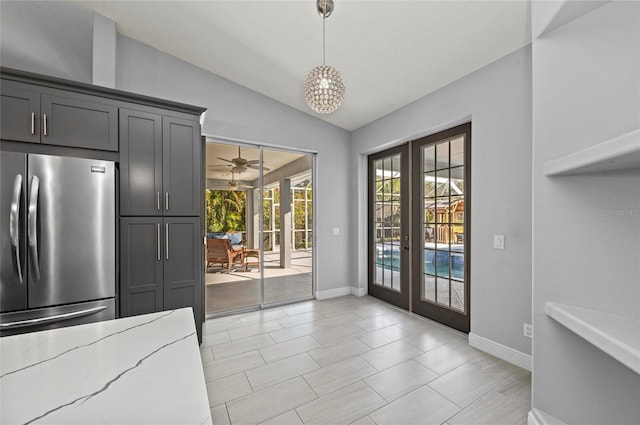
[
  {"x": 498, "y": 241},
  {"x": 336, "y": 231}
]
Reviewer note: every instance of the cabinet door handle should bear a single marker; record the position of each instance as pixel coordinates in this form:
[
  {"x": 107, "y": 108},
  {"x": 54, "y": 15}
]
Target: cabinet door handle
[
  {"x": 33, "y": 123},
  {"x": 44, "y": 123},
  {"x": 158, "y": 201},
  {"x": 166, "y": 239},
  {"x": 158, "y": 228},
  {"x": 166, "y": 201}
]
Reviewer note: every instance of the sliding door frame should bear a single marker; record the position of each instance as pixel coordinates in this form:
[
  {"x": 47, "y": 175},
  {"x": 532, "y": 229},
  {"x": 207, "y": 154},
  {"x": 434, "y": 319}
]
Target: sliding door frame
[{"x": 208, "y": 138}]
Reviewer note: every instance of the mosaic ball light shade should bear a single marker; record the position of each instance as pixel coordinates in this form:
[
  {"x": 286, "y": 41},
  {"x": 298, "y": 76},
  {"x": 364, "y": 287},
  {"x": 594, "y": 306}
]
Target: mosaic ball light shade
[{"x": 324, "y": 89}]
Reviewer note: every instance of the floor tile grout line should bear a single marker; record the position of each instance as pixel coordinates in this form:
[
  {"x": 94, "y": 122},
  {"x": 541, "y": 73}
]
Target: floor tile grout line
[{"x": 428, "y": 384}]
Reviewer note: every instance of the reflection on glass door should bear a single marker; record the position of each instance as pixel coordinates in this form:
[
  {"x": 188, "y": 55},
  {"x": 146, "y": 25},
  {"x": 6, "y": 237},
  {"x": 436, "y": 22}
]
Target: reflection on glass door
[
  {"x": 440, "y": 255},
  {"x": 287, "y": 226},
  {"x": 388, "y": 226}
]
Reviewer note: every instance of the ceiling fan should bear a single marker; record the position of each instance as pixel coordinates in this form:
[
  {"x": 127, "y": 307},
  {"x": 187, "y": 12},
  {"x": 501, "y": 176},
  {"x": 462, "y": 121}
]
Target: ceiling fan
[
  {"x": 241, "y": 164},
  {"x": 234, "y": 184}
]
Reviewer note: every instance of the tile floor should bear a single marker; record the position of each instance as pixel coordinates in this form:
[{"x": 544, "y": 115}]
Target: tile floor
[{"x": 352, "y": 360}]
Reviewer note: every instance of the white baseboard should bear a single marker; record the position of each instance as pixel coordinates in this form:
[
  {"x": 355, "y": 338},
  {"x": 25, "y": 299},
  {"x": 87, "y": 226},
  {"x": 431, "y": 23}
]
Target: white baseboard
[
  {"x": 332, "y": 293},
  {"x": 538, "y": 417},
  {"x": 503, "y": 352},
  {"x": 531, "y": 419},
  {"x": 359, "y": 292}
]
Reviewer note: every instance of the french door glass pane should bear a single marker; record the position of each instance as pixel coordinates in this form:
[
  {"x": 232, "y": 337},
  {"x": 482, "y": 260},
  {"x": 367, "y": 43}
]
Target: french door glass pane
[
  {"x": 443, "y": 227},
  {"x": 387, "y": 221}
]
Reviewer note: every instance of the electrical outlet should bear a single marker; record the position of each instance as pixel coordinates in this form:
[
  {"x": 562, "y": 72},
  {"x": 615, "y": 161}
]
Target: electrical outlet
[
  {"x": 336, "y": 231},
  {"x": 498, "y": 241},
  {"x": 528, "y": 330}
]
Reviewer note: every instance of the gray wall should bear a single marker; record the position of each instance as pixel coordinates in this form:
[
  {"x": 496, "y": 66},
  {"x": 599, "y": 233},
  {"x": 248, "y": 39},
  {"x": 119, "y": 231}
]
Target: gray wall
[
  {"x": 237, "y": 113},
  {"x": 47, "y": 37},
  {"x": 497, "y": 99},
  {"x": 56, "y": 38},
  {"x": 586, "y": 82}
]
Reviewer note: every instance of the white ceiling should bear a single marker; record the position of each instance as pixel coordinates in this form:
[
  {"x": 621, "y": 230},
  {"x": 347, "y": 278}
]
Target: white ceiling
[{"x": 390, "y": 53}]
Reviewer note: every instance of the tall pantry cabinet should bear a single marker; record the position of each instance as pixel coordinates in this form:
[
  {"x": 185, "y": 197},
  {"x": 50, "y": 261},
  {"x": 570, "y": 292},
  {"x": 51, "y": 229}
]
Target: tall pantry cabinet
[{"x": 160, "y": 226}]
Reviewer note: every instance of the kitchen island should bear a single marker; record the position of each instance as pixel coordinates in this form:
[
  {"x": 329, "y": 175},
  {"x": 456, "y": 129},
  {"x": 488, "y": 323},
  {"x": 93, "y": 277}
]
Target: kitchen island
[{"x": 136, "y": 370}]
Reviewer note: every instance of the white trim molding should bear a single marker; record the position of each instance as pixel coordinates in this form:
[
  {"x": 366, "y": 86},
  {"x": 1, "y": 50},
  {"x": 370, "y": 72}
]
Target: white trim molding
[
  {"x": 531, "y": 419},
  {"x": 359, "y": 292},
  {"x": 333, "y": 293},
  {"x": 538, "y": 417},
  {"x": 503, "y": 352}
]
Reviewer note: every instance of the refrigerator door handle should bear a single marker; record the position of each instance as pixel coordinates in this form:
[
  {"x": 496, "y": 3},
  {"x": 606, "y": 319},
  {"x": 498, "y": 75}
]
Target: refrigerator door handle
[
  {"x": 14, "y": 222},
  {"x": 49, "y": 319},
  {"x": 33, "y": 227}
]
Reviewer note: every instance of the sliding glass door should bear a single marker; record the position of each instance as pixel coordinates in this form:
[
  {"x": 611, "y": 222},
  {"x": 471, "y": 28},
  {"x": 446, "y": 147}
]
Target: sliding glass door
[
  {"x": 261, "y": 201},
  {"x": 287, "y": 226}
]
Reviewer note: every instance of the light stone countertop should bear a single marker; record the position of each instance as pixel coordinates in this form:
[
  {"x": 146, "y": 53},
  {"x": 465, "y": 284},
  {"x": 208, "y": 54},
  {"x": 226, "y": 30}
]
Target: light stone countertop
[{"x": 136, "y": 370}]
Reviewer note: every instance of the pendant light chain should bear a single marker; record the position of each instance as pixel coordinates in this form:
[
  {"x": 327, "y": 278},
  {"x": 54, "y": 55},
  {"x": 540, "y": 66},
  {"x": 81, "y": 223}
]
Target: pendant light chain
[
  {"x": 324, "y": 87},
  {"x": 324, "y": 39}
]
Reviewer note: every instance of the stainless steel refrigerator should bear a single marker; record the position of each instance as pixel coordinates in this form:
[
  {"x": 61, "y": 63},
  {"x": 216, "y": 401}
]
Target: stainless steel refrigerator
[{"x": 57, "y": 241}]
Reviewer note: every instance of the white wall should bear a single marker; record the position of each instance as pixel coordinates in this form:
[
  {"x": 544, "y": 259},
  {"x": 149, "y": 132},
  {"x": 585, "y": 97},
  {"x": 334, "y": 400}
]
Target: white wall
[
  {"x": 47, "y": 37},
  {"x": 586, "y": 84},
  {"x": 497, "y": 99}
]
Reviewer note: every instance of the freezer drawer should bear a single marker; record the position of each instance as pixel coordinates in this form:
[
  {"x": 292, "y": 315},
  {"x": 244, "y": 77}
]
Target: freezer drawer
[{"x": 56, "y": 317}]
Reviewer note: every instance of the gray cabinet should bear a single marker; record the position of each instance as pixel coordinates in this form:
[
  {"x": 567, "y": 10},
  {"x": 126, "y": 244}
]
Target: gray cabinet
[
  {"x": 36, "y": 114},
  {"x": 159, "y": 165},
  {"x": 141, "y": 266},
  {"x": 19, "y": 112},
  {"x": 140, "y": 163},
  {"x": 181, "y": 166},
  {"x": 160, "y": 265}
]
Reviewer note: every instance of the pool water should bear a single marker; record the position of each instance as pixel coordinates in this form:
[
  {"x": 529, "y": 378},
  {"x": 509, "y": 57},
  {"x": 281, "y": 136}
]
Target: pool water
[{"x": 435, "y": 262}]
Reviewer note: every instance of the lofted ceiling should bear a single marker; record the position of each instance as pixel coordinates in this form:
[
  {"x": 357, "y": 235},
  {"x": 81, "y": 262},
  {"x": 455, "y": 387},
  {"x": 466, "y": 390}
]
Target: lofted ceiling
[{"x": 390, "y": 53}]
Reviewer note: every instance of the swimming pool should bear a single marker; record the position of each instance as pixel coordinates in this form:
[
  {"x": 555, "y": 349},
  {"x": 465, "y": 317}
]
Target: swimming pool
[{"x": 436, "y": 262}]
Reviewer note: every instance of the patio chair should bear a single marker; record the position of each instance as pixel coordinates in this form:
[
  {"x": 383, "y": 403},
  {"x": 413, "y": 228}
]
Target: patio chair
[{"x": 220, "y": 251}]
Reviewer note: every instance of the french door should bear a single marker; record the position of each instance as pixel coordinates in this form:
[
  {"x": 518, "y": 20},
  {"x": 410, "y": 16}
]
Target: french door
[
  {"x": 419, "y": 226},
  {"x": 389, "y": 226}
]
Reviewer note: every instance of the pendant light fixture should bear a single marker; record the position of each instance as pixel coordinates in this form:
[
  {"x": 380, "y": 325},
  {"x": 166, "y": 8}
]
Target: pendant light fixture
[{"x": 324, "y": 86}]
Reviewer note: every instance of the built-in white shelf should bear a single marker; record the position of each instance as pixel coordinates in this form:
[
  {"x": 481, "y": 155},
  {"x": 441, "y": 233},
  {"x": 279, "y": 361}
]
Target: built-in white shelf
[
  {"x": 617, "y": 336},
  {"x": 619, "y": 153}
]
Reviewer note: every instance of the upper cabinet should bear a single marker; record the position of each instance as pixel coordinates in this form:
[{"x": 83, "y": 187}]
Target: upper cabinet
[
  {"x": 36, "y": 114},
  {"x": 181, "y": 157},
  {"x": 159, "y": 165},
  {"x": 19, "y": 112}
]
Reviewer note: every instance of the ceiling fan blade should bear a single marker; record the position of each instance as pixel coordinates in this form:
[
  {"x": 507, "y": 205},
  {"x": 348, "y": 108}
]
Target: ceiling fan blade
[
  {"x": 257, "y": 167},
  {"x": 224, "y": 166},
  {"x": 253, "y": 161},
  {"x": 225, "y": 160}
]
